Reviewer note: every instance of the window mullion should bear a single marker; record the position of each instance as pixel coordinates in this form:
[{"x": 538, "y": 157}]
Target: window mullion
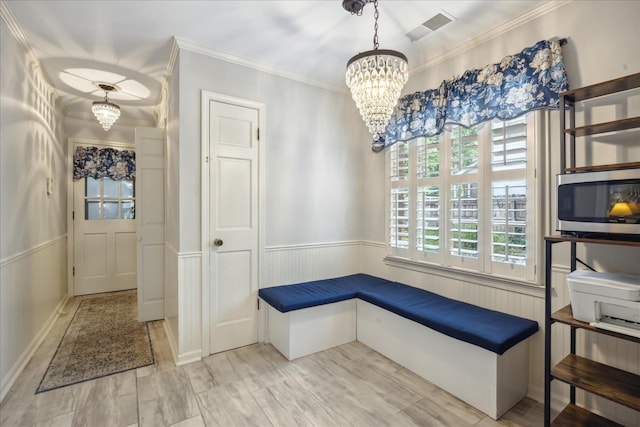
[
  {"x": 485, "y": 203},
  {"x": 445, "y": 196},
  {"x": 413, "y": 196}
]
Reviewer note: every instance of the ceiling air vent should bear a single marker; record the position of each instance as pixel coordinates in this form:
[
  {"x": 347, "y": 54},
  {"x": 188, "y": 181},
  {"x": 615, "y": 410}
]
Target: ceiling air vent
[{"x": 428, "y": 26}]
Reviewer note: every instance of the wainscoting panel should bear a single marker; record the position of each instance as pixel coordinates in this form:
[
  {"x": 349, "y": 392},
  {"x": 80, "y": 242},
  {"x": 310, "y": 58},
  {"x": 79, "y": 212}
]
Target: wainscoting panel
[
  {"x": 33, "y": 289},
  {"x": 284, "y": 265},
  {"x": 190, "y": 307},
  {"x": 183, "y": 304}
]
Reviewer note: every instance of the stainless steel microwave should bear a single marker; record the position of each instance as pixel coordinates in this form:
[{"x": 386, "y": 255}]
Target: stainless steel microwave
[{"x": 599, "y": 202}]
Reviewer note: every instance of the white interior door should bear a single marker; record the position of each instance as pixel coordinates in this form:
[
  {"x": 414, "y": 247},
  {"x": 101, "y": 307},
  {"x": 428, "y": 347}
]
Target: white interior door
[
  {"x": 104, "y": 236},
  {"x": 233, "y": 225},
  {"x": 150, "y": 222}
]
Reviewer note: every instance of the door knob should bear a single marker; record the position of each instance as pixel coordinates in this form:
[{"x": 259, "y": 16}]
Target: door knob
[{"x": 217, "y": 242}]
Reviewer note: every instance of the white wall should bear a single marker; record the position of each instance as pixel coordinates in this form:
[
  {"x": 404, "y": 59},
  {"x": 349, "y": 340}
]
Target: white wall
[
  {"x": 32, "y": 222},
  {"x": 312, "y": 159},
  {"x": 602, "y": 45},
  {"x": 312, "y": 173}
]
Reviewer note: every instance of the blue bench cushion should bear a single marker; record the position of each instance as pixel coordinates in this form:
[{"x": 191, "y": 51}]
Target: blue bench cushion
[
  {"x": 489, "y": 329},
  {"x": 310, "y": 294}
]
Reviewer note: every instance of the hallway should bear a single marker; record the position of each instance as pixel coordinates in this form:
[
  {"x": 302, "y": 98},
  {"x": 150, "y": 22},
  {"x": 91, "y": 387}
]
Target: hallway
[{"x": 254, "y": 385}]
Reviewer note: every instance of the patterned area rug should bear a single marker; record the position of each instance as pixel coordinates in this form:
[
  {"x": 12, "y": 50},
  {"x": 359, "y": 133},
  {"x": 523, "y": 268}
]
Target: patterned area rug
[{"x": 103, "y": 338}]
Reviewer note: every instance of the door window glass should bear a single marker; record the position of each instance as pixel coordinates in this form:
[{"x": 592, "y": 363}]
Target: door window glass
[{"x": 106, "y": 199}]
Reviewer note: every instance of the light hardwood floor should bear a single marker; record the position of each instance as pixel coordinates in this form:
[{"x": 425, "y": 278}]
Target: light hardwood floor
[{"x": 350, "y": 385}]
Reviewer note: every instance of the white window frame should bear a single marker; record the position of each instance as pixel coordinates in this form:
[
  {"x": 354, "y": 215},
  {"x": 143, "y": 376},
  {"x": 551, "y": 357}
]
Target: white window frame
[{"x": 483, "y": 265}]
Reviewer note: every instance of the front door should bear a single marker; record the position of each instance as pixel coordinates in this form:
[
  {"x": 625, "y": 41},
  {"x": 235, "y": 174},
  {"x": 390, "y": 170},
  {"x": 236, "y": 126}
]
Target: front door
[
  {"x": 104, "y": 235},
  {"x": 233, "y": 225}
]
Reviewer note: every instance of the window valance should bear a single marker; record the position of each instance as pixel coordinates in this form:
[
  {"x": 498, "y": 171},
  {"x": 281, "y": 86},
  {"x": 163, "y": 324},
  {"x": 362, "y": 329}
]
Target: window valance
[
  {"x": 529, "y": 80},
  {"x": 104, "y": 162}
]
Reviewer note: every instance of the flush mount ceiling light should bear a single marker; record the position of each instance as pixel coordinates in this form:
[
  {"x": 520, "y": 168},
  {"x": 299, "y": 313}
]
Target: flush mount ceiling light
[
  {"x": 375, "y": 77},
  {"x": 106, "y": 112}
]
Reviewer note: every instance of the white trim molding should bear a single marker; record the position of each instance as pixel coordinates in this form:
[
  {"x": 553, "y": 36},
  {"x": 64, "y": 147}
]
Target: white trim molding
[
  {"x": 233, "y": 59},
  {"x": 491, "y": 34}
]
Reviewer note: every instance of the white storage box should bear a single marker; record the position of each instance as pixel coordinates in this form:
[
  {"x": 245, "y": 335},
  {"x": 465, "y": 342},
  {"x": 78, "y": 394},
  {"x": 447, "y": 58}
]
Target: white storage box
[{"x": 591, "y": 291}]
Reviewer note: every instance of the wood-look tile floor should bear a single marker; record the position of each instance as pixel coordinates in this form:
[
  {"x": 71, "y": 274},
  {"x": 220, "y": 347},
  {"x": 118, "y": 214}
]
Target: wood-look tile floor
[{"x": 350, "y": 385}]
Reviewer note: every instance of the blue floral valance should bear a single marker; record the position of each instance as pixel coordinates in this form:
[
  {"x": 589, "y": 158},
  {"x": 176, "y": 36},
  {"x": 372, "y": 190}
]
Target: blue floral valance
[
  {"x": 529, "y": 80},
  {"x": 104, "y": 162}
]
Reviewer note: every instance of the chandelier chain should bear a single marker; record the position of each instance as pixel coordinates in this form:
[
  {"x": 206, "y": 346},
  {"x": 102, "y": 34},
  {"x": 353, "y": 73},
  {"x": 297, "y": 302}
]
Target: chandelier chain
[{"x": 375, "y": 26}]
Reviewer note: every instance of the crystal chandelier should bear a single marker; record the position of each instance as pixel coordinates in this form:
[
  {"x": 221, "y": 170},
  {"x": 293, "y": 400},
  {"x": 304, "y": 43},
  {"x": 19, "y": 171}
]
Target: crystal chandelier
[
  {"x": 376, "y": 77},
  {"x": 106, "y": 112}
]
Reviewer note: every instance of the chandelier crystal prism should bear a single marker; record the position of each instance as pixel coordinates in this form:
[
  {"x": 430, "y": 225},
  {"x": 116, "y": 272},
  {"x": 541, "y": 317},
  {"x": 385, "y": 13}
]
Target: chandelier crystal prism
[
  {"x": 106, "y": 112},
  {"x": 376, "y": 78}
]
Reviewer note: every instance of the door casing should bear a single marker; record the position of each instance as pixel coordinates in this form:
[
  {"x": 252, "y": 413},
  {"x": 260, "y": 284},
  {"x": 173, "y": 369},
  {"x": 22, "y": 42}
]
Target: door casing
[
  {"x": 72, "y": 143},
  {"x": 206, "y": 98}
]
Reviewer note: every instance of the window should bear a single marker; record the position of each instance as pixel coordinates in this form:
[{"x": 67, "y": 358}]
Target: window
[
  {"x": 466, "y": 199},
  {"x": 109, "y": 199}
]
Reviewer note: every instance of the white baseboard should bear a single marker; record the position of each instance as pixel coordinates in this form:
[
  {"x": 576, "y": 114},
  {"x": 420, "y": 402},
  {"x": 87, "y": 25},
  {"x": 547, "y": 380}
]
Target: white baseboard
[
  {"x": 27, "y": 354},
  {"x": 192, "y": 356},
  {"x": 172, "y": 341}
]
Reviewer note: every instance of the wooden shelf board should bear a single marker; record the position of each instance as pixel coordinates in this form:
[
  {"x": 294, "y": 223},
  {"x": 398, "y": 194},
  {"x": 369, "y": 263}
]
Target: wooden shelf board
[
  {"x": 598, "y": 128},
  {"x": 602, "y": 380},
  {"x": 574, "y": 416},
  {"x": 565, "y": 316},
  {"x": 595, "y": 168},
  {"x": 613, "y": 240},
  {"x": 605, "y": 88}
]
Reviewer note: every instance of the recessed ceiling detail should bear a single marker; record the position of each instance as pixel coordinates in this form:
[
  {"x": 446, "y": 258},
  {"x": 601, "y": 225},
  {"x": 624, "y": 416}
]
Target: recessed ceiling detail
[
  {"x": 88, "y": 80},
  {"x": 118, "y": 37}
]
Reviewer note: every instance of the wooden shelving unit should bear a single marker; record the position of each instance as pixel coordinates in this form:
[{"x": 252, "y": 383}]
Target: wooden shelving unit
[
  {"x": 565, "y": 315},
  {"x": 579, "y": 372},
  {"x": 567, "y": 103},
  {"x": 573, "y": 416}
]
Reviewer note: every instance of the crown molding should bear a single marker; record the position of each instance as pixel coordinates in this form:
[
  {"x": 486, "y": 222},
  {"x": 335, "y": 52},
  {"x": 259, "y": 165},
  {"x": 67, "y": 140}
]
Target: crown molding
[
  {"x": 227, "y": 57},
  {"x": 493, "y": 33},
  {"x": 20, "y": 37}
]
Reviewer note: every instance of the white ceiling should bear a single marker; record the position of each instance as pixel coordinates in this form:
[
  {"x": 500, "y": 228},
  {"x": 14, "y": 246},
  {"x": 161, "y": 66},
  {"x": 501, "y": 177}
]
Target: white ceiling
[{"x": 129, "y": 42}]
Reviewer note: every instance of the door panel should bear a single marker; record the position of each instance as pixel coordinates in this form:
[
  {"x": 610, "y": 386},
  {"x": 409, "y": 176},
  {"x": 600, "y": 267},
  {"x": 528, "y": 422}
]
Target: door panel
[
  {"x": 234, "y": 191},
  {"x": 150, "y": 222},
  {"x": 94, "y": 259},
  {"x": 125, "y": 262},
  {"x": 234, "y": 286},
  {"x": 233, "y": 268}
]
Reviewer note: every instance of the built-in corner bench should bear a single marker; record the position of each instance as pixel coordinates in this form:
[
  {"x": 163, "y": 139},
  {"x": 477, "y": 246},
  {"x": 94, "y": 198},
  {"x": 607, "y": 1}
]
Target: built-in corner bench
[{"x": 479, "y": 355}]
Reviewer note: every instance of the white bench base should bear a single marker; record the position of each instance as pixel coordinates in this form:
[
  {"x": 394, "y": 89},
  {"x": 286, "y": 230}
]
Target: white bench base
[
  {"x": 309, "y": 330},
  {"x": 490, "y": 382}
]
